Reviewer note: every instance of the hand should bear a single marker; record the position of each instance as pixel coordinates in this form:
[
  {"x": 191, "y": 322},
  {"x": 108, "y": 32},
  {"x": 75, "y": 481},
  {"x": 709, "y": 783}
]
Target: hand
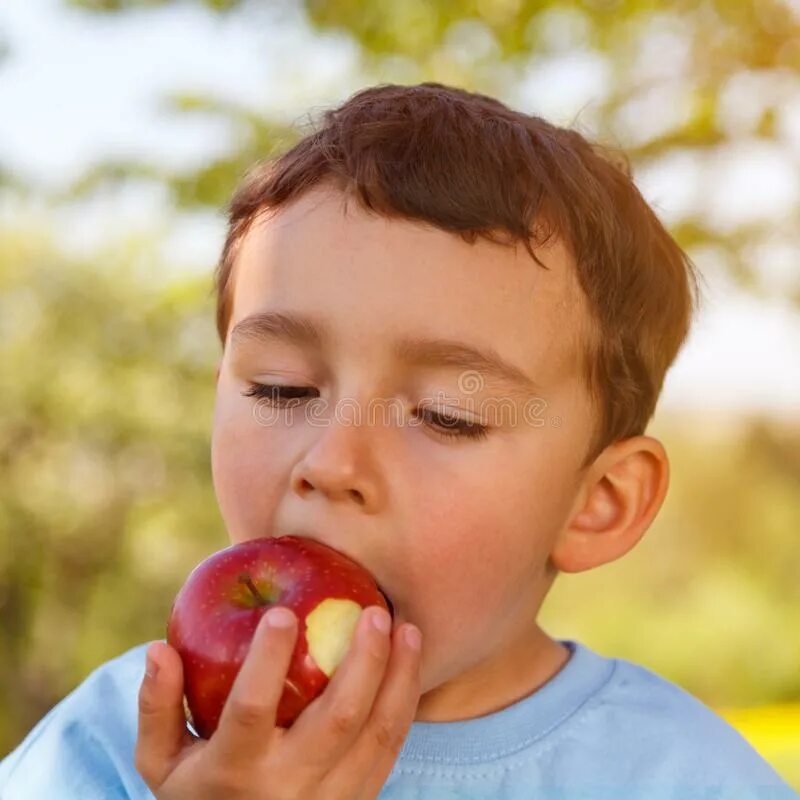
[{"x": 342, "y": 746}]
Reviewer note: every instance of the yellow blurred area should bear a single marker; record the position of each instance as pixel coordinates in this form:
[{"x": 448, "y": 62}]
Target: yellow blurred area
[{"x": 774, "y": 731}]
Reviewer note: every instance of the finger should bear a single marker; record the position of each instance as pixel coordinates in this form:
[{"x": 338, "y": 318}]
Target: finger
[
  {"x": 365, "y": 770},
  {"x": 327, "y": 728},
  {"x": 162, "y": 732},
  {"x": 248, "y": 717}
]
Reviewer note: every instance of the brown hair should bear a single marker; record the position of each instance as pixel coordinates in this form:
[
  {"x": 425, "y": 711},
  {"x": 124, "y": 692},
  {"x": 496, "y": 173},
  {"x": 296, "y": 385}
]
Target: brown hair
[{"x": 468, "y": 164}]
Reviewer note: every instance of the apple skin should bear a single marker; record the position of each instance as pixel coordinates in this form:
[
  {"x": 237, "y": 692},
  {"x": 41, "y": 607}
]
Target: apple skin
[{"x": 215, "y": 614}]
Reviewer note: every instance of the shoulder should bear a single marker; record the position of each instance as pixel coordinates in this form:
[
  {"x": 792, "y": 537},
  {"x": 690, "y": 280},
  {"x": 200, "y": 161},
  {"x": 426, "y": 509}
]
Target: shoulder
[
  {"x": 83, "y": 747},
  {"x": 647, "y": 698},
  {"x": 669, "y": 732}
]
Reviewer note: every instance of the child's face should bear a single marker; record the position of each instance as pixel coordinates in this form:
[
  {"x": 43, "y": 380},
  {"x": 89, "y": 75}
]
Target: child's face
[{"x": 456, "y": 530}]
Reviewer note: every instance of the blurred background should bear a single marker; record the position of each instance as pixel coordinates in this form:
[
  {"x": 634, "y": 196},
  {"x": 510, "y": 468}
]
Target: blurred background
[{"x": 124, "y": 127}]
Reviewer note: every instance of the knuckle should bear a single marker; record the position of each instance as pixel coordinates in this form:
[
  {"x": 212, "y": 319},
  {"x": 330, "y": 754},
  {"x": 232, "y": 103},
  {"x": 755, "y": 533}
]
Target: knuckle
[
  {"x": 143, "y": 764},
  {"x": 246, "y": 713},
  {"x": 147, "y": 703},
  {"x": 343, "y": 716},
  {"x": 388, "y": 734},
  {"x": 378, "y": 651}
]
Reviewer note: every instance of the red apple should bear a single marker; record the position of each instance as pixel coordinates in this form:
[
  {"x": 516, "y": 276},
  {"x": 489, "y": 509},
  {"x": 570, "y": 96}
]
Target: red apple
[{"x": 216, "y": 612}]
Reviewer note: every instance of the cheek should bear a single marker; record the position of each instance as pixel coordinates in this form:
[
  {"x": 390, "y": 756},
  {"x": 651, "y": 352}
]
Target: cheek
[
  {"x": 479, "y": 550},
  {"x": 463, "y": 580},
  {"x": 462, "y": 539},
  {"x": 246, "y": 474}
]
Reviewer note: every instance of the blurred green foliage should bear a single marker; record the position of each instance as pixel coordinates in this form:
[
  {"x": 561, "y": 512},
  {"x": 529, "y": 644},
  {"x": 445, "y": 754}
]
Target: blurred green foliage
[
  {"x": 106, "y": 389},
  {"x": 715, "y": 579},
  {"x": 106, "y": 395},
  {"x": 128, "y": 5},
  {"x": 494, "y": 46}
]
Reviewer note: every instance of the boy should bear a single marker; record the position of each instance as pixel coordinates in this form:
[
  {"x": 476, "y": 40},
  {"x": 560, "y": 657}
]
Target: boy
[{"x": 500, "y": 284}]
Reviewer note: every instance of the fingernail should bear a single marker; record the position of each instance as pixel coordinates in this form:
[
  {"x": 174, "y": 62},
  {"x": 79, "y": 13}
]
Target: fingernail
[
  {"x": 380, "y": 621},
  {"x": 151, "y": 667},
  {"x": 280, "y": 617},
  {"x": 413, "y": 637}
]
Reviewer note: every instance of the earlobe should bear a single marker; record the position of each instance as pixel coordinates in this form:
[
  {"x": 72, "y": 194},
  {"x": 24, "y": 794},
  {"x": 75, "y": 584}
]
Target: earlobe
[{"x": 621, "y": 496}]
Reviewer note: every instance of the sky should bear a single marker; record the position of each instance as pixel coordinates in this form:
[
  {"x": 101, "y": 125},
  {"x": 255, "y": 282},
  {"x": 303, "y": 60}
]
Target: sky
[{"x": 77, "y": 88}]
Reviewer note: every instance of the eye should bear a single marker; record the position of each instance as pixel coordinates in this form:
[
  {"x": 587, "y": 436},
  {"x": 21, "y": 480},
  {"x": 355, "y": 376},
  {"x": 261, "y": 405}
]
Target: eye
[
  {"x": 281, "y": 395},
  {"x": 451, "y": 426}
]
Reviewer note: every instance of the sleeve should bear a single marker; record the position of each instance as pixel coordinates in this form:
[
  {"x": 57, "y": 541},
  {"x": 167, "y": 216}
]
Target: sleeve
[{"x": 82, "y": 749}]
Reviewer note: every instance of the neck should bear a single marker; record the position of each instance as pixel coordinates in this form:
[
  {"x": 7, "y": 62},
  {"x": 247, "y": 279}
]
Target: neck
[{"x": 496, "y": 683}]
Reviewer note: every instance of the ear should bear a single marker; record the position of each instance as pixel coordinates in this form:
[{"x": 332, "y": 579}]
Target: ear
[
  {"x": 216, "y": 378},
  {"x": 616, "y": 502}
]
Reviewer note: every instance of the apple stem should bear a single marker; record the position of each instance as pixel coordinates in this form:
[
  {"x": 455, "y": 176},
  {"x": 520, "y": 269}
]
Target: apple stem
[{"x": 248, "y": 582}]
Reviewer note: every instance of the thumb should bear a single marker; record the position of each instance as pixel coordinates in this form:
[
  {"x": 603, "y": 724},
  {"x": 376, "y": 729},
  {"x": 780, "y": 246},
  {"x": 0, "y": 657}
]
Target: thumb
[{"x": 162, "y": 730}]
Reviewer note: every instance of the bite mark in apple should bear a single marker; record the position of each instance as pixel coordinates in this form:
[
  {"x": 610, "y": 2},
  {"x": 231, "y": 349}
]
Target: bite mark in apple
[{"x": 329, "y": 631}]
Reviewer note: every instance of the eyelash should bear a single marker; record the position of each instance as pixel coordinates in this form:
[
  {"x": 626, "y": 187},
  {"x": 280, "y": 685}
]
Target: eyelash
[{"x": 457, "y": 428}]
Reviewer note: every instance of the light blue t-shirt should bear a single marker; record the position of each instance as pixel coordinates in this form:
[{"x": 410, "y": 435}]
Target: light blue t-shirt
[{"x": 601, "y": 729}]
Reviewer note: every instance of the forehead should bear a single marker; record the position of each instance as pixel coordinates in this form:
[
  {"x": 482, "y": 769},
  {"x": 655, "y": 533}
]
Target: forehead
[{"x": 372, "y": 278}]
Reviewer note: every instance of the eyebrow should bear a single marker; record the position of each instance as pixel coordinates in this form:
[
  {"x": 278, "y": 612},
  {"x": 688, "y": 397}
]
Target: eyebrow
[{"x": 300, "y": 329}]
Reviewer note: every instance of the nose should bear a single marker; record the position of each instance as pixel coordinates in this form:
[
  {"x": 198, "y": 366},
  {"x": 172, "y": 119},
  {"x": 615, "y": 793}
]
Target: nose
[{"x": 338, "y": 466}]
